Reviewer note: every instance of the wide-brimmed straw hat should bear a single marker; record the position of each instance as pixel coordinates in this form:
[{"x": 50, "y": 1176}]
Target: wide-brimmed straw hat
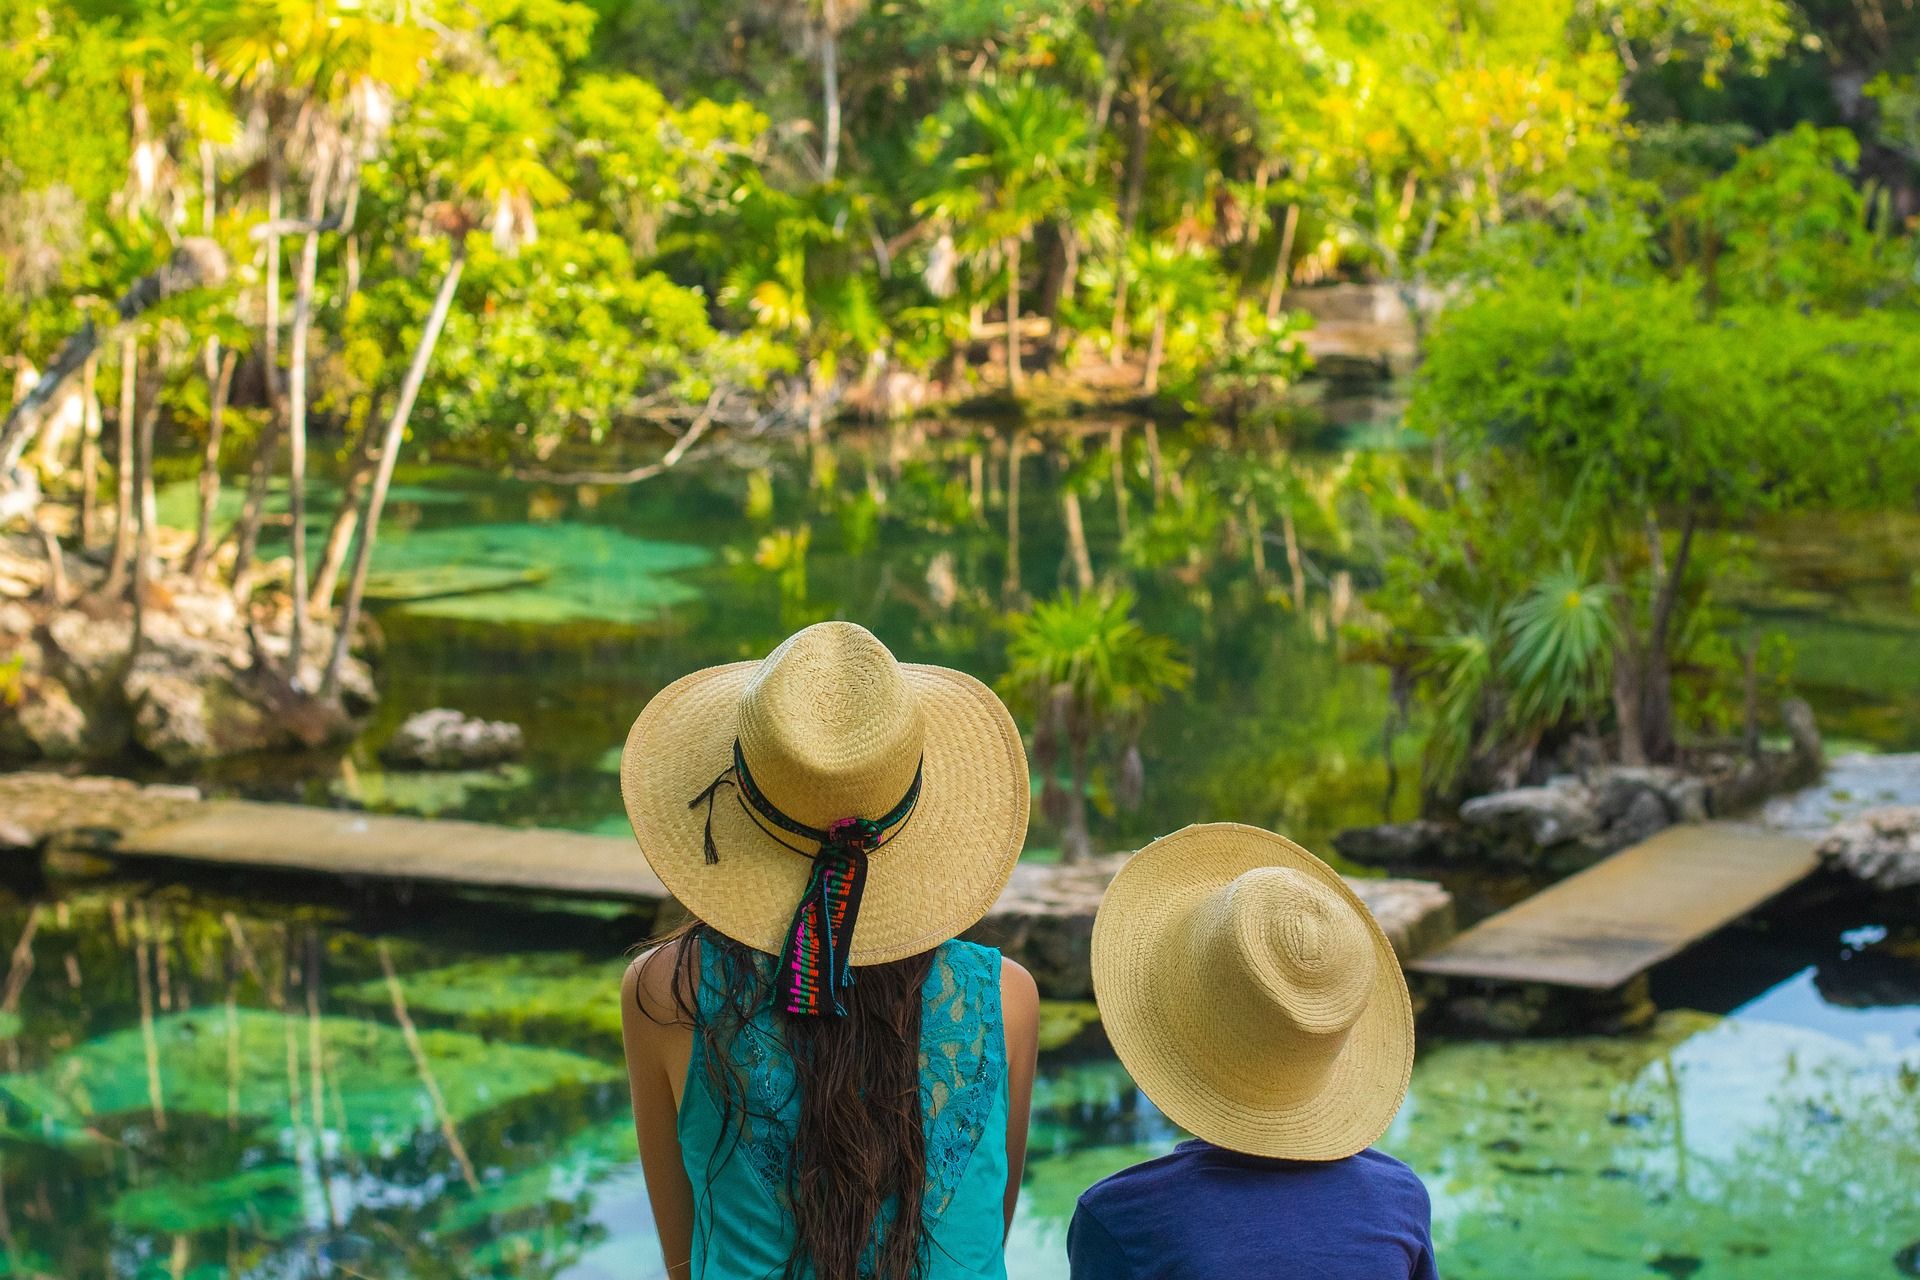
[
  {"x": 1252, "y": 996},
  {"x": 890, "y": 796}
]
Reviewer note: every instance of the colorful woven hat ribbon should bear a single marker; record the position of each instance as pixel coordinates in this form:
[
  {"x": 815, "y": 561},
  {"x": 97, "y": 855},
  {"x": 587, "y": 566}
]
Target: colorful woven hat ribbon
[{"x": 814, "y": 973}]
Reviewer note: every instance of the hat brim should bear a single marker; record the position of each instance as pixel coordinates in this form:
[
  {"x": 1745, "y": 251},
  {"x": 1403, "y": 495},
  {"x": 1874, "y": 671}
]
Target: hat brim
[
  {"x": 932, "y": 880},
  {"x": 1196, "y": 1074}
]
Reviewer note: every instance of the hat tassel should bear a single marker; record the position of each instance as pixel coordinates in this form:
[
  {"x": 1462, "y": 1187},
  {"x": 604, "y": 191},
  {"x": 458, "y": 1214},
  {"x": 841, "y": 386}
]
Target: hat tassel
[{"x": 725, "y": 779}]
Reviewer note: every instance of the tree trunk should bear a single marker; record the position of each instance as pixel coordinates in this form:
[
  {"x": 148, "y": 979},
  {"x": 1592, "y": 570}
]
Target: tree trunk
[
  {"x": 1117, "y": 446},
  {"x": 1130, "y": 206},
  {"x": 253, "y": 510},
  {"x": 1257, "y": 541},
  {"x": 1155, "y": 468},
  {"x": 1076, "y": 843},
  {"x": 196, "y": 263},
  {"x": 1077, "y": 541},
  {"x": 1013, "y": 316},
  {"x": 1015, "y": 448},
  {"x": 1156, "y": 352},
  {"x": 1296, "y": 571},
  {"x": 297, "y": 409},
  {"x": 1256, "y": 222},
  {"x": 1283, "y": 265},
  {"x": 123, "y": 531},
  {"x": 90, "y": 453},
  {"x": 1656, "y": 707},
  {"x": 346, "y": 518},
  {"x": 143, "y": 476},
  {"x": 389, "y": 453},
  {"x": 221, "y": 382},
  {"x": 830, "y": 91},
  {"x": 270, "y": 300}
]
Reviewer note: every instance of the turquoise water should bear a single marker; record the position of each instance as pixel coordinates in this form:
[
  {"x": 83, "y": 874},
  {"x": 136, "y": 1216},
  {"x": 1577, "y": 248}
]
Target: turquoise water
[
  {"x": 609, "y": 593},
  {"x": 204, "y": 1083}
]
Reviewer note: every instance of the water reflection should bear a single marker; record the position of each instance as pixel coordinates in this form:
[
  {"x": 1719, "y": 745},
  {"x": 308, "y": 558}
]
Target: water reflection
[{"x": 197, "y": 1087}]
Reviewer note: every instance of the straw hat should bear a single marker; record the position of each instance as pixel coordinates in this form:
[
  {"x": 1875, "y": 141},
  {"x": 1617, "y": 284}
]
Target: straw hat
[
  {"x": 1252, "y": 996},
  {"x": 830, "y": 727}
]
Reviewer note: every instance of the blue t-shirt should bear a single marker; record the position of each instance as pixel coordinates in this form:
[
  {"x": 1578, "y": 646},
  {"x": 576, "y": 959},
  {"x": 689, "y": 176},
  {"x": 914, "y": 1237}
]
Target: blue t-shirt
[{"x": 1203, "y": 1213}]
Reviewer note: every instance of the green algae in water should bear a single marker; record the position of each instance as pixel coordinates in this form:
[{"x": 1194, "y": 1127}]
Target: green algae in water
[
  {"x": 593, "y": 573},
  {"x": 547, "y": 997},
  {"x": 378, "y": 1099}
]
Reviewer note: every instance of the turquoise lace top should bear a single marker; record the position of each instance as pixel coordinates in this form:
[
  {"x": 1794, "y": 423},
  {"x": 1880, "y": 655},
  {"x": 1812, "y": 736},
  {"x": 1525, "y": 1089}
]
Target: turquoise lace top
[{"x": 742, "y": 1228}]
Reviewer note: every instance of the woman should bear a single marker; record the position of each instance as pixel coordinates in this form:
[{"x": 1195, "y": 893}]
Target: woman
[{"x": 826, "y": 1084}]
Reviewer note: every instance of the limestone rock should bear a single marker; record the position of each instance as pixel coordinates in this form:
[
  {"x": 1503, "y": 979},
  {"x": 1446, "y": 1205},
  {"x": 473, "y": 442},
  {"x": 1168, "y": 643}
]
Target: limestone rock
[
  {"x": 446, "y": 739},
  {"x": 1401, "y": 843},
  {"x": 1683, "y": 795},
  {"x": 49, "y": 720},
  {"x": 1880, "y": 848},
  {"x": 1546, "y": 815}
]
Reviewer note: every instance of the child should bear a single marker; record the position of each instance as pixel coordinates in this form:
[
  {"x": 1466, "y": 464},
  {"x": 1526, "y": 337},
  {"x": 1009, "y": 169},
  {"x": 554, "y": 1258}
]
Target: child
[{"x": 1257, "y": 1003}]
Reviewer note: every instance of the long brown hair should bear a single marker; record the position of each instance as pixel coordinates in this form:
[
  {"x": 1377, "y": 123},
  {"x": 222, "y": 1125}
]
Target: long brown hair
[{"x": 859, "y": 1154}]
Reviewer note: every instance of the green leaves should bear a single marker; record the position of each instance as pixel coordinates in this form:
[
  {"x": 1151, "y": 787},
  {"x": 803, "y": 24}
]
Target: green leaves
[{"x": 1559, "y": 647}]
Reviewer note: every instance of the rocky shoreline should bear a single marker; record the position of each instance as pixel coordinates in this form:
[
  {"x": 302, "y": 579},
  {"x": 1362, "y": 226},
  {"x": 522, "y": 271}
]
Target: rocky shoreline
[
  {"x": 1571, "y": 821},
  {"x": 207, "y": 678}
]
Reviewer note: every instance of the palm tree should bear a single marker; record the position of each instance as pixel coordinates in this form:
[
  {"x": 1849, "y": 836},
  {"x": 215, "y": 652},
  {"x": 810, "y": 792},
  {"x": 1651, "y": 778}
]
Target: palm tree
[
  {"x": 1087, "y": 673},
  {"x": 1171, "y": 281},
  {"x": 487, "y": 162},
  {"x": 1016, "y": 165}
]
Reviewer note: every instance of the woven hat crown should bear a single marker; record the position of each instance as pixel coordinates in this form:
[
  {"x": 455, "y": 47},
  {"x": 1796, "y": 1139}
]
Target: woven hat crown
[
  {"x": 1291, "y": 968},
  {"x": 829, "y": 728}
]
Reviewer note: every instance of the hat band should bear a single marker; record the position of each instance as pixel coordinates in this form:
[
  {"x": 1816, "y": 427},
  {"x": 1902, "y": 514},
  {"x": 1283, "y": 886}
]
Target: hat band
[{"x": 814, "y": 973}]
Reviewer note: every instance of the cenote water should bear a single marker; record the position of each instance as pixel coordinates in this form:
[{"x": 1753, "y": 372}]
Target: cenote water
[
  {"x": 564, "y": 608},
  {"x": 227, "y": 1081},
  {"x": 218, "y": 1083}
]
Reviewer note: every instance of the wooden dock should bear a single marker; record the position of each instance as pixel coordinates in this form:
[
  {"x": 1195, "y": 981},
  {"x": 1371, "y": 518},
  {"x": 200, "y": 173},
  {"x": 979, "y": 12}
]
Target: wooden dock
[
  {"x": 337, "y": 842},
  {"x": 1610, "y": 923}
]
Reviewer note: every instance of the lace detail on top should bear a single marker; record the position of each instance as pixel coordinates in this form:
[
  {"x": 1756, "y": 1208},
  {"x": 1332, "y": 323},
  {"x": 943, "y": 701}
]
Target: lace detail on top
[{"x": 962, "y": 1065}]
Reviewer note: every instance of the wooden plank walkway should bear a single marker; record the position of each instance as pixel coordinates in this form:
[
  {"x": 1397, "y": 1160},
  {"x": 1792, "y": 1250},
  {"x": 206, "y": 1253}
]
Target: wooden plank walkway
[
  {"x": 1618, "y": 918},
  {"x": 290, "y": 837}
]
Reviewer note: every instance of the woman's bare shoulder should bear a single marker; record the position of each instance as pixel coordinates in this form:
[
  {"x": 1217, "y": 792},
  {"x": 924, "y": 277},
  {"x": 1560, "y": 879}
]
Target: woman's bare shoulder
[
  {"x": 649, "y": 986},
  {"x": 1019, "y": 995}
]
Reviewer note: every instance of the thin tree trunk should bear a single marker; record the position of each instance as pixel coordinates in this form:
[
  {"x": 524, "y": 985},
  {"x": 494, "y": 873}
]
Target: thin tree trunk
[
  {"x": 1296, "y": 571},
  {"x": 1256, "y": 222},
  {"x": 346, "y": 518},
  {"x": 425, "y": 1069},
  {"x": 1257, "y": 540},
  {"x": 123, "y": 466},
  {"x": 977, "y": 483},
  {"x": 1656, "y": 713},
  {"x": 389, "y": 453},
  {"x": 1283, "y": 265},
  {"x": 90, "y": 452},
  {"x": 1013, "y": 316},
  {"x": 830, "y": 91},
  {"x": 143, "y": 480},
  {"x": 1117, "y": 446},
  {"x": 1076, "y": 843},
  {"x": 297, "y": 409},
  {"x": 1077, "y": 541},
  {"x": 253, "y": 510},
  {"x": 1156, "y": 352},
  {"x": 1015, "y": 448},
  {"x": 221, "y": 384},
  {"x": 1130, "y": 207}
]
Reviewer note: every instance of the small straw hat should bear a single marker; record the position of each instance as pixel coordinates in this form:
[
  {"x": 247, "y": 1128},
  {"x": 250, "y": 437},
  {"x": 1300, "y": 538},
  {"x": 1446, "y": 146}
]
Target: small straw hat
[
  {"x": 739, "y": 779},
  {"x": 1252, "y": 996}
]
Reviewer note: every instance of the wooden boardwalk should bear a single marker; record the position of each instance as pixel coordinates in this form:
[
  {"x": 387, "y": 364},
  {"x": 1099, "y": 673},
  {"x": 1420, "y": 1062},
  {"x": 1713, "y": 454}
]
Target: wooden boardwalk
[
  {"x": 290, "y": 837},
  {"x": 1615, "y": 920}
]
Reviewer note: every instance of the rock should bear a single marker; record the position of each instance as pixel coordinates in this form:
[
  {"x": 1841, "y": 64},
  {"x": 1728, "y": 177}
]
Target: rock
[
  {"x": 50, "y": 721},
  {"x": 1880, "y": 848},
  {"x": 1683, "y": 795},
  {"x": 1401, "y": 843},
  {"x": 1646, "y": 813},
  {"x": 1546, "y": 815},
  {"x": 1416, "y": 915},
  {"x": 445, "y": 739},
  {"x": 1805, "y": 732},
  {"x": 15, "y": 838},
  {"x": 91, "y": 652}
]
